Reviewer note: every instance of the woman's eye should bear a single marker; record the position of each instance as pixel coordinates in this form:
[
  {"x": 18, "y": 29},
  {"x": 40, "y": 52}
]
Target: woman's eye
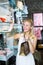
[{"x": 27, "y": 25}]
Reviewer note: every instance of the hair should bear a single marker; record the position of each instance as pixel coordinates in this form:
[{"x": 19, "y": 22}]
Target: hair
[
  {"x": 28, "y": 20},
  {"x": 26, "y": 49}
]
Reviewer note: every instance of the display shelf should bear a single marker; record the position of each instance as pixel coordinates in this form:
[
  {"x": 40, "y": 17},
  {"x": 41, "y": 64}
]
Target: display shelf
[
  {"x": 16, "y": 47},
  {"x": 6, "y": 57},
  {"x": 4, "y": 27},
  {"x": 17, "y": 28},
  {"x": 15, "y": 50}
]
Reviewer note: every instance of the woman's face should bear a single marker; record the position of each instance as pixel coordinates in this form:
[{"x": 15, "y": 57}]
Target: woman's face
[{"x": 26, "y": 26}]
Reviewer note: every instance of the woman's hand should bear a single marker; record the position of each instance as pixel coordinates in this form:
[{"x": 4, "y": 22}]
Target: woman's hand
[
  {"x": 26, "y": 36},
  {"x": 32, "y": 41}
]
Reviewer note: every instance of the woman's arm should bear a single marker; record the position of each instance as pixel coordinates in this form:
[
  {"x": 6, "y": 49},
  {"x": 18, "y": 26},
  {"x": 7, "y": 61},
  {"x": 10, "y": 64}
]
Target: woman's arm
[
  {"x": 32, "y": 44},
  {"x": 17, "y": 36}
]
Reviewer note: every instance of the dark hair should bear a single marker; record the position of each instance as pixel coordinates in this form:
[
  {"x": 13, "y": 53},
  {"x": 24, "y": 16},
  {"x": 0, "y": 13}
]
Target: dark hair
[{"x": 25, "y": 46}]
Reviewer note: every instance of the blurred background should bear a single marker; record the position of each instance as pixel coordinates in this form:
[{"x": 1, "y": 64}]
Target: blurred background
[{"x": 12, "y": 14}]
